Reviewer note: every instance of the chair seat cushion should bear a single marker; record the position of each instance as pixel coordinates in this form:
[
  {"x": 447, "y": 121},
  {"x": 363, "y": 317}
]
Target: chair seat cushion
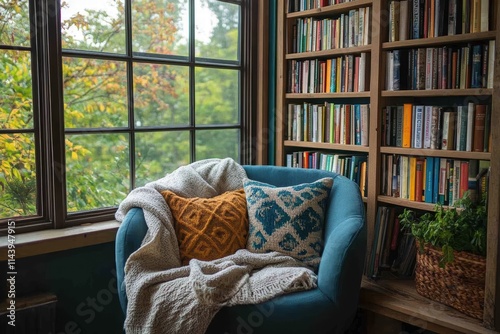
[
  {"x": 209, "y": 228},
  {"x": 287, "y": 219}
]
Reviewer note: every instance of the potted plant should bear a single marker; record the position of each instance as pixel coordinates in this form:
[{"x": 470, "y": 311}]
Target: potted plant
[{"x": 451, "y": 262}]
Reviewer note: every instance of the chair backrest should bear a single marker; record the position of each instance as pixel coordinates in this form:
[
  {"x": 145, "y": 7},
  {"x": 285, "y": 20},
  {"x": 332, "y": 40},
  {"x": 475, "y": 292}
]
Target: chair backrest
[{"x": 345, "y": 198}]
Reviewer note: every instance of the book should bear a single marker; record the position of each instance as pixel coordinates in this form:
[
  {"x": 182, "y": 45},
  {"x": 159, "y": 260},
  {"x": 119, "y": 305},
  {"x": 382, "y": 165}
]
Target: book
[
  {"x": 429, "y": 179},
  {"x": 399, "y": 126},
  {"x": 461, "y": 129},
  {"x": 427, "y": 126},
  {"x": 448, "y": 140},
  {"x": 470, "y": 126},
  {"x": 412, "y": 177},
  {"x": 479, "y": 126},
  {"x": 443, "y": 181},
  {"x": 419, "y": 179},
  {"x": 491, "y": 63},
  {"x": 418, "y": 126},
  {"x": 404, "y": 177},
  {"x": 435, "y": 128},
  {"x": 484, "y": 16},
  {"x": 403, "y": 19},
  {"x": 476, "y": 79},
  {"x": 407, "y": 125}
]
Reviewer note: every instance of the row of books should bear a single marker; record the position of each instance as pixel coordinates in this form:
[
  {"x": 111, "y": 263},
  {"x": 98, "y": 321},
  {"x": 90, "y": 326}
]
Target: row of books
[
  {"x": 430, "y": 179},
  {"x": 460, "y": 128},
  {"x": 345, "y": 124},
  {"x": 300, "y": 5},
  {"x": 393, "y": 249},
  {"x": 447, "y": 67},
  {"x": 412, "y": 19},
  {"x": 342, "y": 74},
  {"x": 351, "y": 166},
  {"x": 348, "y": 30}
]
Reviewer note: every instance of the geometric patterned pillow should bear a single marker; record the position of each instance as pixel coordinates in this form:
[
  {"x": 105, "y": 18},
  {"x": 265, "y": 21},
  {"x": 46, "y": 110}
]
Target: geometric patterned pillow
[
  {"x": 289, "y": 220},
  {"x": 209, "y": 228}
]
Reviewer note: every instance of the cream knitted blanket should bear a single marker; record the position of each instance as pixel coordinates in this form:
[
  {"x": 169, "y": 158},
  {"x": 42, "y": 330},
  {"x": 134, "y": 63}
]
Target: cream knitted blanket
[{"x": 164, "y": 297}]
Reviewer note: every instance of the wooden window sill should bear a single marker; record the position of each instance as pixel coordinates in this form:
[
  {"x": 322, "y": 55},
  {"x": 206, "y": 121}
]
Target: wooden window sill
[{"x": 48, "y": 241}]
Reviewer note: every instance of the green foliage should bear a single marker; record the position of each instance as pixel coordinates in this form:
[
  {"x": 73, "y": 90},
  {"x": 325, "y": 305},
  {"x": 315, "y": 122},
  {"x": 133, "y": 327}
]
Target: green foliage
[
  {"x": 95, "y": 96},
  {"x": 460, "y": 228}
]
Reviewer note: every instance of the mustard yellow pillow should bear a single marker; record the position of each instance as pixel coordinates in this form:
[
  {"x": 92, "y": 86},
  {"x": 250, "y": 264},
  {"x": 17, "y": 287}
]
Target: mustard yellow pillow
[{"x": 209, "y": 228}]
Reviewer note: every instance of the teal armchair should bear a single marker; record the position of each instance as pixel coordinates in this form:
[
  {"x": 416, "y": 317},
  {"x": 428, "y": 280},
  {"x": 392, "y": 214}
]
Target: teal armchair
[{"x": 331, "y": 307}]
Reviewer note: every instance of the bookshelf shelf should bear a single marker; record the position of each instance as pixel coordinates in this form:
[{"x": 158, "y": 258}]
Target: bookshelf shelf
[
  {"x": 327, "y": 95},
  {"x": 438, "y": 92},
  {"x": 406, "y": 203},
  {"x": 436, "y": 153},
  {"x": 443, "y": 40},
  {"x": 331, "y": 52},
  {"x": 330, "y": 10},
  {"x": 398, "y": 299},
  {"x": 326, "y": 146}
]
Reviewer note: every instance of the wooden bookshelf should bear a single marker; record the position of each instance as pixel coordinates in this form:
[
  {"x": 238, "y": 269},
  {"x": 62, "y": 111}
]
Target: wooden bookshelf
[
  {"x": 330, "y": 10},
  {"x": 442, "y": 40},
  {"x": 326, "y": 146},
  {"x": 345, "y": 95},
  {"x": 329, "y": 53},
  {"x": 436, "y": 153},
  {"x": 438, "y": 92},
  {"x": 398, "y": 299}
]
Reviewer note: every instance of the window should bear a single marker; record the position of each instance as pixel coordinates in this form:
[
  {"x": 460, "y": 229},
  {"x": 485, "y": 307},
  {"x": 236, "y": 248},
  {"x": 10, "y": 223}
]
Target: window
[{"x": 102, "y": 96}]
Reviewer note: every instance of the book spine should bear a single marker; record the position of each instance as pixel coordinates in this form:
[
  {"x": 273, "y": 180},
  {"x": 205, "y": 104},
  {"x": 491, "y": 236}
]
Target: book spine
[
  {"x": 476, "y": 79},
  {"x": 399, "y": 126},
  {"x": 412, "y": 177},
  {"x": 419, "y": 179},
  {"x": 470, "y": 126},
  {"x": 427, "y": 126},
  {"x": 418, "y": 133},
  {"x": 435, "y": 183},
  {"x": 434, "y": 145},
  {"x": 429, "y": 179},
  {"x": 407, "y": 125},
  {"x": 443, "y": 181},
  {"x": 479, "y": 122}
]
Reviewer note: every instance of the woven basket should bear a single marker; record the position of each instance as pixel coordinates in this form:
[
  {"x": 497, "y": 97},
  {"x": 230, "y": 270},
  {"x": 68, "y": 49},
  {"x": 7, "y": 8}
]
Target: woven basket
[{"x": 459, "y": 285}]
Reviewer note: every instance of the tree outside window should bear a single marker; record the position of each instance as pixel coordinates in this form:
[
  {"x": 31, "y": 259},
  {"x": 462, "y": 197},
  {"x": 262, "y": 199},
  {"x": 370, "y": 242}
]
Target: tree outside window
[{"x": 143, "y": 90}]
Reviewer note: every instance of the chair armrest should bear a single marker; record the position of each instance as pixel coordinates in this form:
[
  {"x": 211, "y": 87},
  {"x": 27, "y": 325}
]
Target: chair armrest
[
  {"x": 342, "y": 262},
  {"x": 341, "y": 268},
  {"x": 128, "y": 239}
]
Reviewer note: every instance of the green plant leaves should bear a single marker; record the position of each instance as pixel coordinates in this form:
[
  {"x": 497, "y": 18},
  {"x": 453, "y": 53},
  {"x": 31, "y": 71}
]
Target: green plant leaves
[{"x": 461, "y": 228}]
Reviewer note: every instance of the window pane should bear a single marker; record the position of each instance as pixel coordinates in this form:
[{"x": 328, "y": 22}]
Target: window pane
[
  {"x": 93, "y": 25},
  {"x": 16, "y": 98},
  {"x": 160, "y": 26},
  {"x": 17, "y": 175},
  {"x": 161, "y": 95},
  {"x": 95, "y": 93},
  {"x": 217, "y": 144},
  {"x": 216, "y": 34},
  {"x": 97, "y": 170},
  {"x": 159, "y": 153},
  {"x": 217, "y": 97},
  {"x": 14, "y": 22}
]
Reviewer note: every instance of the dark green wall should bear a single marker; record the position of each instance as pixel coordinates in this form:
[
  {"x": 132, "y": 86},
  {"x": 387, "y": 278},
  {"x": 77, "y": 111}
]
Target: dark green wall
[{"x": 84, "y": 281}]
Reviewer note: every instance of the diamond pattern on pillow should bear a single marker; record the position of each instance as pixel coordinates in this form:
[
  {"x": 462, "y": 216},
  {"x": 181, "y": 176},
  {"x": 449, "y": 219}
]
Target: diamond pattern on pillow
[
  {"x": 209, "y": 228},
  {"x": 289, "y": 220}
]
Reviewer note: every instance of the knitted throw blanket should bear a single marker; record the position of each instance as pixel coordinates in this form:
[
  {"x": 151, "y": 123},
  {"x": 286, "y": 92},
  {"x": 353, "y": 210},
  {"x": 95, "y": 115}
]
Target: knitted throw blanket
[{"x": 164, "y": 297}]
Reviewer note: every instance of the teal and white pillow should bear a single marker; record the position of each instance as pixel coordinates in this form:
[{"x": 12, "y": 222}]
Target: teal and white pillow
[{"x": 289, "y": 220}]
